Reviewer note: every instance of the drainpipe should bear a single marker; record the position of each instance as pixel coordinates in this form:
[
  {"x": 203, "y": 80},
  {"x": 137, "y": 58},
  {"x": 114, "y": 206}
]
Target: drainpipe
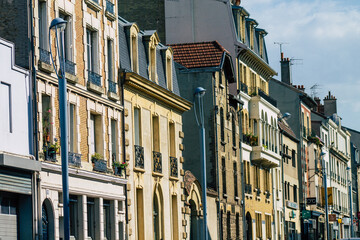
[
  {"x": 34, "y": 129},
  {"x": 282, "y": 180},
  {"x": 217, "y": 159},
  {"x": 122, "y": 82},
  {"x": 242, "y": 174}
]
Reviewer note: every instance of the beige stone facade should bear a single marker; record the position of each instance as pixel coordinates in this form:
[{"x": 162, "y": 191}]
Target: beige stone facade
[{"x": 96, "y": 186}]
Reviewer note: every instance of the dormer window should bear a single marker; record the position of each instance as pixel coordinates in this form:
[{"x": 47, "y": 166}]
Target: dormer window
[
  {"x": 261, "y": 44},
  {"x": 154, "y": 41},
  {"x": 134, "y": 30},
  {"x": 169, "y": 55},
  {"x": 252, "y": 36}
]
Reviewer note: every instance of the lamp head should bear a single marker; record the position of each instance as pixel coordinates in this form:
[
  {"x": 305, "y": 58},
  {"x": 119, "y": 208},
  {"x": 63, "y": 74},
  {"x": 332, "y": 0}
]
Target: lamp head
[
  {"x": 199, "y": 91},
  {"x": 322, "y": 154},
  {"x": 58, "y": 23},
  {"x": 285, "y": 116}
]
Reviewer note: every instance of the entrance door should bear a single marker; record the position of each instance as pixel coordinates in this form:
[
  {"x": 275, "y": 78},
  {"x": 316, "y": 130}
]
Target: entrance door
[
  {"x": 248, "y": 227},
  {"x": 45, "y": 223}
]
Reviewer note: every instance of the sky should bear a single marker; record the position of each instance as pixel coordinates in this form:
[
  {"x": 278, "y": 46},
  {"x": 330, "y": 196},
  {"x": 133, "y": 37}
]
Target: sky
[{"x": 323, "y": 38}]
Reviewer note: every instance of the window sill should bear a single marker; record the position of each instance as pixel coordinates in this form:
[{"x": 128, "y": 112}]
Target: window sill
[
  {"x": 174, "y": 178},
  {"x": 48, "y": 68},
  {"x": 110, "y": 16},
  {"x": 156, "y": 174},
  {"x": 139, "y": 170},
  {"x": 95, "y": 88},
  {"x": 223, "y": 143},
  {"x": 92, "y": 4},
  {"x": 71, "y": 78},
  {"x": 113, "y": 96}
]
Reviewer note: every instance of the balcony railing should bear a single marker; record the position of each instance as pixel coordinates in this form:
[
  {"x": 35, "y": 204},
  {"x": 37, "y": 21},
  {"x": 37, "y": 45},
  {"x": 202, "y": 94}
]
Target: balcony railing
[
  {"x": 157, "y": 161},
  {"x": 258, "y": 191},
  {"x": 112, "y": 86},
  {"x": 244, "y": 88},
  {"x": 94, "y": 78},
  {"x": 74, "y": 159},
  {"x": 44, "y": 56},
  {"x": 139, "y": 157},
  {"x": 250, "y": 139},
  {"x": 267, "y": 194},
  {"x": 248, "y": 188},
  {"x": 267, "y": 98},
  {"x": 110, "y": 7},
  {"x": 70, "y": 67},
  {"x": 173, "y": 167},
  {"x": 100, "y": 166}
]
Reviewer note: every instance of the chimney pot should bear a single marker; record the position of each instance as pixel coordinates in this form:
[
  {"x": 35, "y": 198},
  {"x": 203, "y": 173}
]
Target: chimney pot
[{"x": 282, "y": 56}]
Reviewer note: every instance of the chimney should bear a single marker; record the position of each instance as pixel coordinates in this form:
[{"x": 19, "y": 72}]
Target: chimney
[
  {"x": 285, "y": 70},
  {"x": 320, "y": 107},
  {"x": 330, "y": 105}
]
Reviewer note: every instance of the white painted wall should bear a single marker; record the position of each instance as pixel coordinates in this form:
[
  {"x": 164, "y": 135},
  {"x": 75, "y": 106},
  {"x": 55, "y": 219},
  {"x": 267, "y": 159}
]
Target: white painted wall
[{"x": 14, "y": 100}]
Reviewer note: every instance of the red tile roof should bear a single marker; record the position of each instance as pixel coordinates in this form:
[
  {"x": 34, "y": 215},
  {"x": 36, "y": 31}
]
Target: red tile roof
[
  {"x": 286, "y": 128},
  {"x": 198, "y": 55}
]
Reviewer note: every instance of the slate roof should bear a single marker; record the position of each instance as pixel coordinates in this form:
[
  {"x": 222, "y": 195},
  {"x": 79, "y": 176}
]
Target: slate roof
[
  {"x": 125, "y": 62},
  {"x": 199, "y": 55}
]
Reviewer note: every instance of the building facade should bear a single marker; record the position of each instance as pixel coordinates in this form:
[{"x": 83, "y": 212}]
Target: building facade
[{"x": 153, "y": 136}]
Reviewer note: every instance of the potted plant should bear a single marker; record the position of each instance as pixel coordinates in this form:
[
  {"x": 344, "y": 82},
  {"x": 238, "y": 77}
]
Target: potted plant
[
  {"x": 119, "y": 167},
  {"x": 50, "y": 150},
  {"x": 96, "y": 157},
  {"x": 253, "y": 140}
]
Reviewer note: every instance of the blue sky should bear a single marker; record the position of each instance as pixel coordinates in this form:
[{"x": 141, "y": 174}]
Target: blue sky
[{"x": 325, "y": 34}]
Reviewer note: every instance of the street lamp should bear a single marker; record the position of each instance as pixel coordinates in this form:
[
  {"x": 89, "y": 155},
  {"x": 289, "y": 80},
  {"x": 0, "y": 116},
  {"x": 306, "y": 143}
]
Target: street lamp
[
  {"x": 349, "y": 175},
  {"x": 322, "y": 154},
  {"x": 285, "y": 116},
  {"x": 198, "y": 97},
  {"x": 59, "y": 25}
]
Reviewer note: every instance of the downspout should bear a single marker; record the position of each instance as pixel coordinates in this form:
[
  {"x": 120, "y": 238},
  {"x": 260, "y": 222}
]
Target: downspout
[
  {"x": 282, "y": 180},
  {"x": 217, "y": 159},
  {"x": 122, "y": 82},
  {"x": 34, "y": 144}
]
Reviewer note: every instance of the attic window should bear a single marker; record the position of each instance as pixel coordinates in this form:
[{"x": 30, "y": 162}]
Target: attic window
[
  {"x": 261, "y": 44},
  {"x": 134, "y": 30},
  {"x": 169, "y": 79},
  {"x": 152, "y": 63}
]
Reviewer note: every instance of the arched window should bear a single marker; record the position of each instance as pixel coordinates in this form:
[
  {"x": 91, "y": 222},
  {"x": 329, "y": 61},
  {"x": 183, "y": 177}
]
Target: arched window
[
  {"x": 233, "y": 128},
  {"x": 158, "y": 214},
  {"x": 47, "y": 221},
  {"x": 223, "y": 173},
  {"x": 222, "y": 126}
]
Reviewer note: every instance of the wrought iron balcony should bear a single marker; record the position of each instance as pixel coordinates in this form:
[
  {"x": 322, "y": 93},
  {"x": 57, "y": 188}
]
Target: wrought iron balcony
[
  {"x": 100, "y": 166},
  {"x": 74, "y": 159},
  {"x": 267, "y": 194},
  {"x": 267, "y": 98},
  {"x": 139, "y": 156},
  {"x": 44, "y": 56},
  {"x": 157, "y": 161},
  {"x": 94, "y": 78},
  {"x": 258, "y": 191},
  {"x": 244, "y": 88},
  {"x": 248, "y": 188},
  {"x": 70, "y": 67},
  {"x": 110, "y": 7},
  {"x": 112, "y": 86},
  {"x": 173, "y": 167}
]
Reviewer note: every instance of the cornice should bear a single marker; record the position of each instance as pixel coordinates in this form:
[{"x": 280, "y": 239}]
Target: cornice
[
  {"x": 256, "y": 63},
  {"x": 154, "y": 90}
]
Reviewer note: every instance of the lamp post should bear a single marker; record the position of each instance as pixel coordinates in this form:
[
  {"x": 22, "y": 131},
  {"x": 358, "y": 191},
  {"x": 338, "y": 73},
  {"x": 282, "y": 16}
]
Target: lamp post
[
  {"x": 198, "y": 97},
  {"x": 349, "y": 175},
  {"x": 283, "y": 117},
  {"x": 59, "y": 25},
  {"x": 322, "y": 154}
]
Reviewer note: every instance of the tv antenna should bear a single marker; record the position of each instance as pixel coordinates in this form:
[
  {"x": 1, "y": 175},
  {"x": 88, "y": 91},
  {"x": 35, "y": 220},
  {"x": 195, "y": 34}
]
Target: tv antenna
[
  {"x": 314, "y": 89},
  {"x": 280, "y": 45}
]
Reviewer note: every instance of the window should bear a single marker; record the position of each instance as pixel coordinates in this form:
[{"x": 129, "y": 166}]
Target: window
[
  {"x": 172, "y": 139},
  {"x": 72, "y": 128},
  {"x": 92, "y": 51},
  {"x": 140, "y": 213},
  {"x": 267, "y": 180},
  {"x": 233, "y": 130},
  {"x": 235, "y": 180},
  {"x": 258, "y": 222},
  {"x": 121, "y": 231},
  {"x": 110, "y": 65},
  {"x": 152, "y": 63},
  {"x": 8, "y": 206},
  {"x": 293, "y": 158},
  {"x": 228, "y": 225},
  {"x": 137, "y": 126},
  {"x": 107, "y": 219},
  {"x": 223, "y": 173},
  {"x": 268, "y": 225},
  {"x": 114, "y": 138},
  {"x": 175, "y": 221},
  {"x": 156, "y": 133},
  {"x": 43, "y": 25},
  {"x": 222, "y": 127},
  {"x": 96, "y": 134},
  {"x": 46, "y": 119},
  {"x": 67, "y": 36},
  {"x": 285, "y": 190},
  {"x": 134, "y": 53},
  {"x": 257, "y": 177},
  {"x": 169, "y": 72},
  {"x": 237, "y": 226},
  {"x": 91, "y": 217},
  {"x": 5, "y": 108},
  {"x": 73, "y": 206},
  {"x": 295, "y": 193}
]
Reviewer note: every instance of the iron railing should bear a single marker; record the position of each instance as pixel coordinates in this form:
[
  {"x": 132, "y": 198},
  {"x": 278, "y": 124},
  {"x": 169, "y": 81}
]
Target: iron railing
[
  {"x": 173, "y": 167},
  {"x": 258, "y": 191},
  {"x": 157, "y": 161},
  {"x": 100, "y": 165},
  {"x": 44, "y": 56},
  {"x": 70, "y": 67},
  {"x": 112, "y": 86},
  {"x": 94, "y": 78},
  {"x": 109, "y": 7},
  {"x": 244, "y": 88},
  {"x": 74, "y": 159},
  {"x": 267, "y": 194},
  {"x": 139, "y": 156},
  {"x": 248, "y": 188},
  {"x": 267, "y": 98}
]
